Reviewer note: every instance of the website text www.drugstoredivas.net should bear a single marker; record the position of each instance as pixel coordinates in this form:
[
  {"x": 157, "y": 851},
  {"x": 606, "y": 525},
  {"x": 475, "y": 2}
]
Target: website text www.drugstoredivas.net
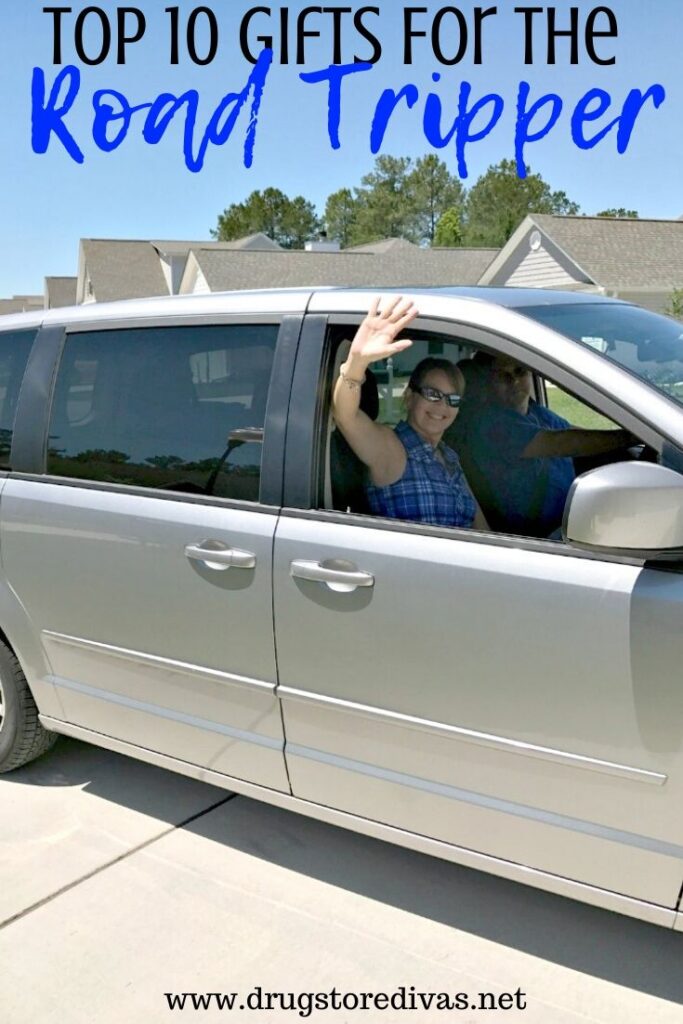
[{"x": 303, "y": 1004}]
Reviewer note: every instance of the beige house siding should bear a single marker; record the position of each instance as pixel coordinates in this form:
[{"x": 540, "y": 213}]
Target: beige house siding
[
  {"x": 201, "y": 285},
  {"x": 541, "y": 270},
  {"x": 194, "y": 280},
  {"x": 634, "y": 260}
]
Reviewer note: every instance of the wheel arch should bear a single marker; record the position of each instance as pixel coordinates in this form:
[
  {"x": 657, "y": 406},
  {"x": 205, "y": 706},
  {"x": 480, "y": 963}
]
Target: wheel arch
[{"x": 21, "y": 636}]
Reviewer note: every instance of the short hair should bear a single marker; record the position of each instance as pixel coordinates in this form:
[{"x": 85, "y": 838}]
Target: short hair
[
  {"x": 425, "y": 366},
  {"x": 485, "y": 360},
  {"x": 476, "y": 374}
]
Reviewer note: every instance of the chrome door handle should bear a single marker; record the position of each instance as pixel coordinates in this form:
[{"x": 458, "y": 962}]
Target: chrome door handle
[
  {"x": 337, "y": 574},
  {"x": 219, "y": 556}
]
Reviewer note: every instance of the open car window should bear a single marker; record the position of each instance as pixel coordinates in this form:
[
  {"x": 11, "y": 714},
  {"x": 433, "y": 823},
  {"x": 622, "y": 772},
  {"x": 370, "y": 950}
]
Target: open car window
[{"x": 533, "y": 490}]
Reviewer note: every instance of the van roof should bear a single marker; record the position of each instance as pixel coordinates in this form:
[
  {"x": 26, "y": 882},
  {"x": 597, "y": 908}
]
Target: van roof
[{"x": 283, "y": 300}]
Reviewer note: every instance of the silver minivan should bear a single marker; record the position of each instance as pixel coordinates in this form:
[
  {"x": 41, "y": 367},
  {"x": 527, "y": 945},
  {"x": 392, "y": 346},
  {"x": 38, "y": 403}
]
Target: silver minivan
[{"x": 186, "y": 577}]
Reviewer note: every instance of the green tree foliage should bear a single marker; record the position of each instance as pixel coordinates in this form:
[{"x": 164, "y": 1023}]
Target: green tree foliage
[
  {"x": 100, "y": 455},
  {"x": 341, "y": 210},
  {"x": 618, "y": 213},
  {"x": 449, "y": 228},
  {"x": 290, "y": 222},
  {"x": 165, "y": 461},
  {"x": 385, "y": 203},
  {"x": 675, "y": 306},
  {"x": 434, "y": 191},
  {"x": 298, "y": 224},
  {"x": 397, "y": 199},
  {"x": 419, "y": 201},
  {"x": 499, "y": 201}
]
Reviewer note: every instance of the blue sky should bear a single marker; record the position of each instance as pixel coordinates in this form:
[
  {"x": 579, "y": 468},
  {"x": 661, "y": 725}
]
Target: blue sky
[{"x": 142, "y": 191}]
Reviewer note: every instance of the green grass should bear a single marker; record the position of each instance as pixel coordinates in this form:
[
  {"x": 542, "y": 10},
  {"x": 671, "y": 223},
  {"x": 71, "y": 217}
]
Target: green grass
[{"x": 578, "y": 414}]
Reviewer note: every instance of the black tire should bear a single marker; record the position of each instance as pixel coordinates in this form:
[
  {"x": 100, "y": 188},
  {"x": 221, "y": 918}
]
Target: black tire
[{"x": 22, "y": 737}]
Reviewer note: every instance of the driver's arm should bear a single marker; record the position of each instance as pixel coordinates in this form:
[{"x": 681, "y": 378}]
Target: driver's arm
[{"x": 576, "y": 442}]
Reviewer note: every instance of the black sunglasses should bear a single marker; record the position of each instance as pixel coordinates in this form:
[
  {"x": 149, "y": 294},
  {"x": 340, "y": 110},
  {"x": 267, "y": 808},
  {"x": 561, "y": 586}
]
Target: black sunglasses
[{"x": 434, "y": 395}]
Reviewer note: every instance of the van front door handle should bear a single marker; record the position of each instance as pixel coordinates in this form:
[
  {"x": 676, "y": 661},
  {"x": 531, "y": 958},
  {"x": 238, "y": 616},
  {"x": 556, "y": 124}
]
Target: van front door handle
[
  {"x": 219, "y": 556},
  {"x": 336, "y": 573}
]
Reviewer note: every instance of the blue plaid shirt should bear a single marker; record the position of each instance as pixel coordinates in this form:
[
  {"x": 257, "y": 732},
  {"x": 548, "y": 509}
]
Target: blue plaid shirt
[{"x": 428, "y": 491}]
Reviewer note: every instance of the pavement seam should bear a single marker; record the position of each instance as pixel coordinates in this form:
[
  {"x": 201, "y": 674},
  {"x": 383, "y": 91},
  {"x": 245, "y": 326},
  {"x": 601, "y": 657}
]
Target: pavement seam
[{"x": 115, "y": 860}]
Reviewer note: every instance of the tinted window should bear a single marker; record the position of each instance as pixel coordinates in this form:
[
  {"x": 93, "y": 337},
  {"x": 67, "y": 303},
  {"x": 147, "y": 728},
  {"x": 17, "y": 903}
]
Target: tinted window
[
  {"x": 14, "y": 351},
  {"x": 179, "y": 408},
  {"x": 644, "y": 343}
]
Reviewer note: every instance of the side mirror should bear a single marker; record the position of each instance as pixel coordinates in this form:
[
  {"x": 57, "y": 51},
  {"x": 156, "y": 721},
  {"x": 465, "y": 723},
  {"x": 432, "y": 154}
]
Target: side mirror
[{"x": 629, "y": 508}]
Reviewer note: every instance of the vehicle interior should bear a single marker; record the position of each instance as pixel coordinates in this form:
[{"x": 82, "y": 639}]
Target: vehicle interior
[{"x": 345, "y": 475}]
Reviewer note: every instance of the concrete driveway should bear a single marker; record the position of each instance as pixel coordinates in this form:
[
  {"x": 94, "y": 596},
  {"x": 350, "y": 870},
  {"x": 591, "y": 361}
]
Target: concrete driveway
[{"x": 120, "y": 882}]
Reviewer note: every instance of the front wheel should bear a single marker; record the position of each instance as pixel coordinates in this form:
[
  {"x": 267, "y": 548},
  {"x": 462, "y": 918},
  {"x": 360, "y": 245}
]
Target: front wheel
[{"x": 22, "y": 737}]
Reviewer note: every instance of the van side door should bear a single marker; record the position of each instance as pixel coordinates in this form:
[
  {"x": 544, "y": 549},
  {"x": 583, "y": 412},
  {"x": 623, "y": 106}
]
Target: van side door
[
  {"x": 139, "y": 536},
  {"x": 510, "y": 696}
]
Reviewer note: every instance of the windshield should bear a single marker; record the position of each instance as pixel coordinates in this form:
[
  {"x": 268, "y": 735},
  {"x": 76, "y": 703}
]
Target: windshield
[{"x": 646, "y": 344}]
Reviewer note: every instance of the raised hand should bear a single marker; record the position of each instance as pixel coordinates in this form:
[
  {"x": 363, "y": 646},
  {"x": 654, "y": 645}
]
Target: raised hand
[{"x": 376, "y": 336}]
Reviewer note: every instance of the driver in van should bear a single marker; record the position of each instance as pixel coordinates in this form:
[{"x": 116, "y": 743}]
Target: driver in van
[
  {"x": 517, "y": 453},
  {"x": 413, "y": 475}
]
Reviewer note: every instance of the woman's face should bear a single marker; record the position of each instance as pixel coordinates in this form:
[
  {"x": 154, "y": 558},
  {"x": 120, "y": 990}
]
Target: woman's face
[{"x": 430, "y": 419}]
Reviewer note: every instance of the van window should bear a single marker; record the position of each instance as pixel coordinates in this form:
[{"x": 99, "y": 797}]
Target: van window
[
  {"x": 180, "y": 408},
  {"x": 518, "y": 495},
  {"x": 14, "y": 351}
]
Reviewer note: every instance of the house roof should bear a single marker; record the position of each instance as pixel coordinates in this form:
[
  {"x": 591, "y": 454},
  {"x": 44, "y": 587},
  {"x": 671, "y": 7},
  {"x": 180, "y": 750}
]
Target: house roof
[
  {"x": 258, "y": 241},
  {"x": 60, "y": 291},
  {"x": 398, "y": 267},
  {"x": 129, "y": 268},
  {"x": 383, "y": 245},
  {"x": 620, "y": 253},
  {"x": 21, "y": 304},
  {"x": 120, "y": 269}
]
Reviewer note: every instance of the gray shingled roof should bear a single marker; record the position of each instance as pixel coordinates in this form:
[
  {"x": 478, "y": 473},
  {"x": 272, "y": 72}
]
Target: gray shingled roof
[
  {"x": 383, "y": 245},
  {"x": 228, "y": 271},
  {"x": 123, "y": 269},
  {"x": 619, "y": 254},
  {"x": 21, "y": 304},
  {"x": 258, "y": 241},
  {"x": 60, "y": 291}
]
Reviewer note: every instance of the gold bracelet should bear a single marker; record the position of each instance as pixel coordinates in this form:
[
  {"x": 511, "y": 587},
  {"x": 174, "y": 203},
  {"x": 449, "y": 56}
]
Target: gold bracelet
[{"x": 354, "y": 385}]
